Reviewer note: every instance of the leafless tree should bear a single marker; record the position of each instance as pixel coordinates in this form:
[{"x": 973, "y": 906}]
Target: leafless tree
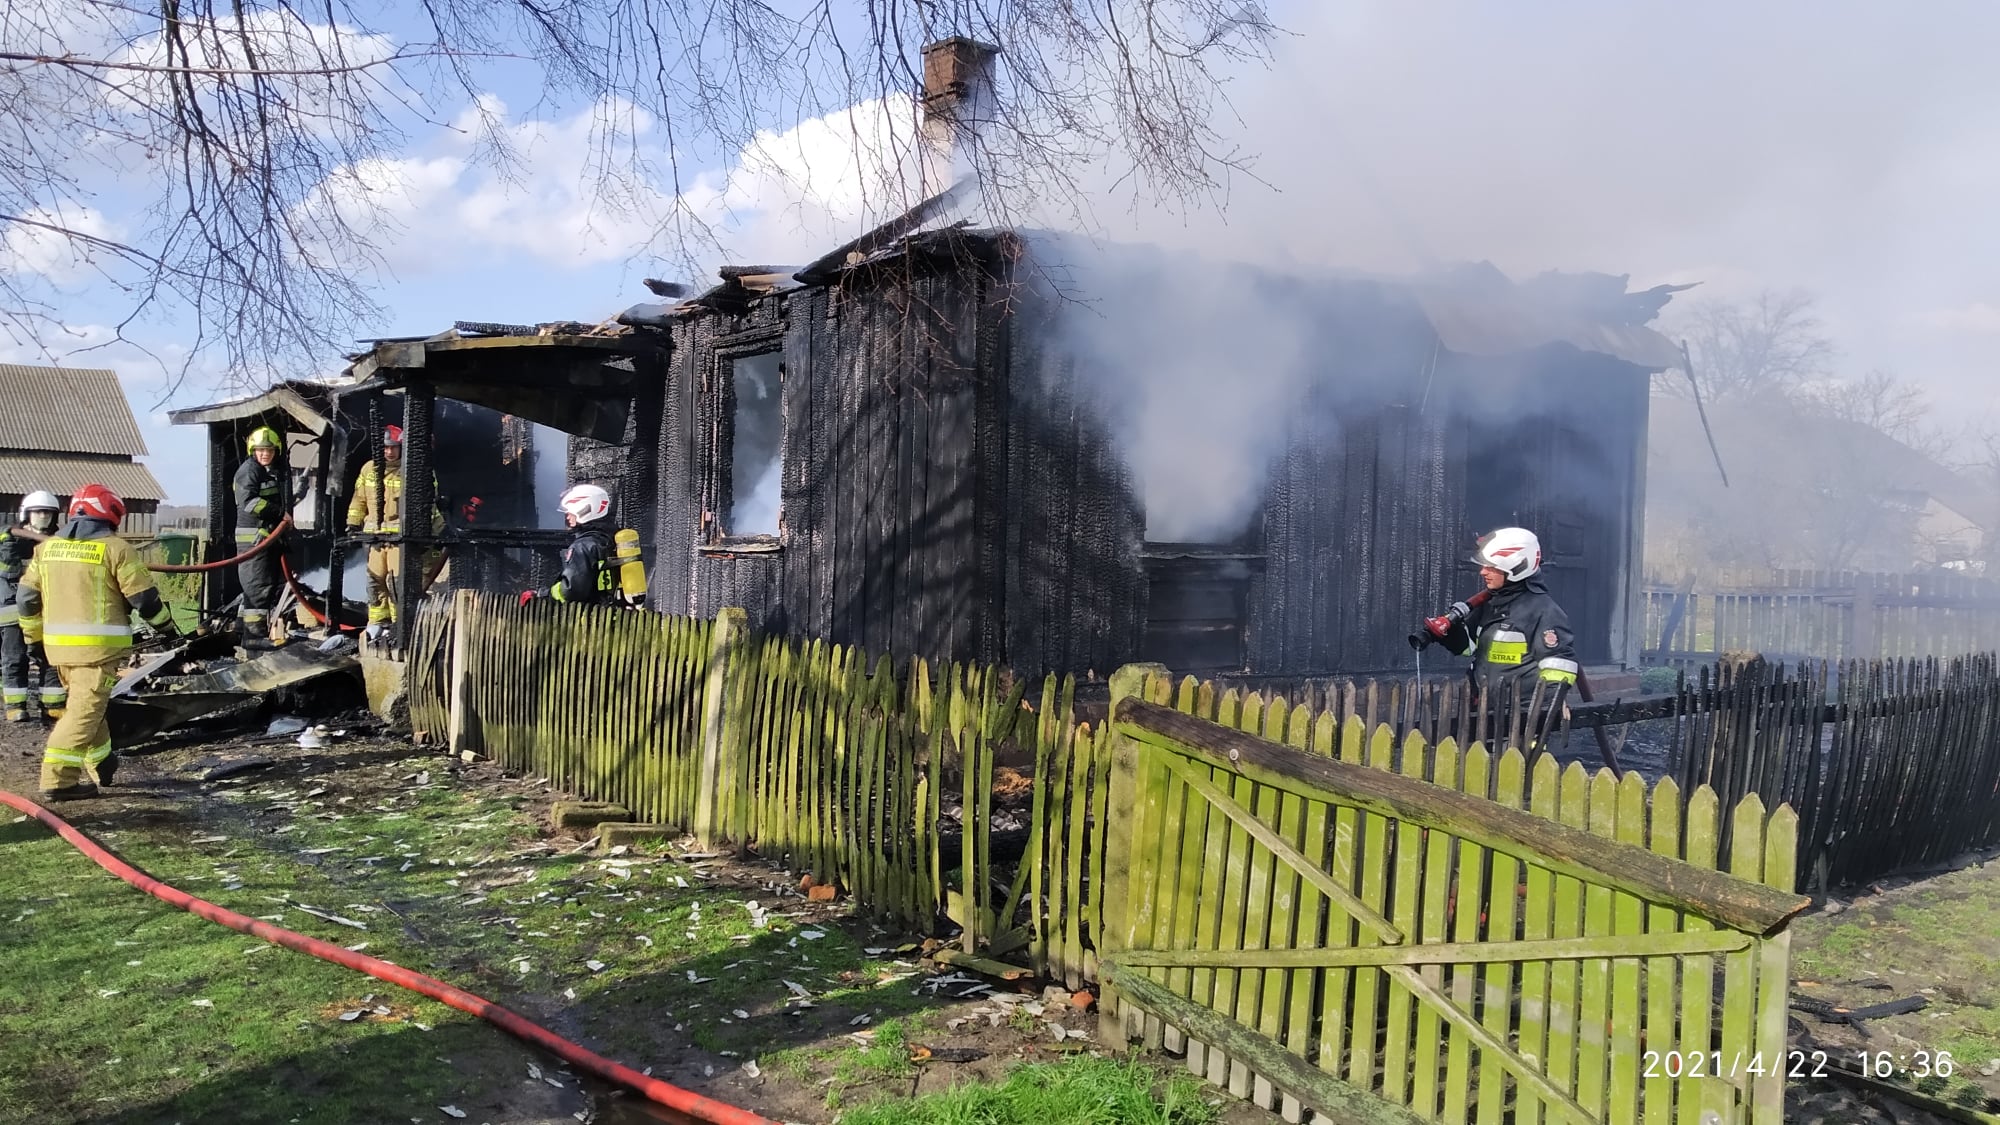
[
  {"x": 1882, "y": 402},
  {"x": 1766, "y": 346},
  {"x": 244, "y": 135}
]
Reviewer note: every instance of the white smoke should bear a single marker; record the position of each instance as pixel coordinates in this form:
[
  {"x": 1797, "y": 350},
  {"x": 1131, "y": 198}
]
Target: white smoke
[
  {"x": 551, "y": 453},
  {"x": 1200, "y": 371},
  {"x": 758, "y": 515}
]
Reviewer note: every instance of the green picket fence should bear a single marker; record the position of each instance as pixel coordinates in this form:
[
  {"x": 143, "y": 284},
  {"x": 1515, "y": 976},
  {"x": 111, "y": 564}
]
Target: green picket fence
[
  {"x": 1321, "y": 917},
  {"x": 1251, "y": 947},
  {"x": 811, "y": 754}
]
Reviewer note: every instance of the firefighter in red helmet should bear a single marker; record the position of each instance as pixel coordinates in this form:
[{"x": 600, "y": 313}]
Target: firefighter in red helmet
[
  {"x": 77, "y": 599},
  {"x": 377, "y": 507}
]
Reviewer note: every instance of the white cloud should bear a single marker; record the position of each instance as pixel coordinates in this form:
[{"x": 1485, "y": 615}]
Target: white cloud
[
  {"x": 786, "y": 196},
  {"x": 52, "y": 255},
  {"x": 1978, "y": 318},
  {"x": 281, "y": 41}
]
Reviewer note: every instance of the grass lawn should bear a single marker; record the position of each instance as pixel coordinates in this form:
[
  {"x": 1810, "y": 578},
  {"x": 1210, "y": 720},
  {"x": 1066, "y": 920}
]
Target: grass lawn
[
  {"x": 1938, "y": 939},
  {"x": 116, "y": 1008},
  {"x": 1079, "y": 1091}
]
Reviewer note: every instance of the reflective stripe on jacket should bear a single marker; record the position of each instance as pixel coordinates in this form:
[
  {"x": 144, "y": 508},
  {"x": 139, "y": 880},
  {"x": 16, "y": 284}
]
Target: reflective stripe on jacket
[
  {"x": 79, "y": 591},
  {"x": 260, "y": 499},
  {"x": 587, "y": 573},
  {"x": 362, "y": 512},
  {"x": 1519, "y": 633}
]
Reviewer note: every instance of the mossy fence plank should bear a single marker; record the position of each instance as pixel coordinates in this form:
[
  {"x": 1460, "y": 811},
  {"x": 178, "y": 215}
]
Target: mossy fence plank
[{"x": 1222, "y": 879}]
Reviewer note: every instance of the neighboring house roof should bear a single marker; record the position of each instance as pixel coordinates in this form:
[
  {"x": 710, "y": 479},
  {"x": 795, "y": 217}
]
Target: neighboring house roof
[
  {"x": 22, "y": 473},
  {"x": 1908, "y": 469},
  {"x": 1680, "y": 459},
  {"x": 66, "y": 410}
]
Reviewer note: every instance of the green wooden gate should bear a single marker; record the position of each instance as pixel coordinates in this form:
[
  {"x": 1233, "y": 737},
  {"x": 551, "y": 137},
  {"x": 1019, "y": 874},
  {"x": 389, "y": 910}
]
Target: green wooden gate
[{"x": 1375, "y": 932}]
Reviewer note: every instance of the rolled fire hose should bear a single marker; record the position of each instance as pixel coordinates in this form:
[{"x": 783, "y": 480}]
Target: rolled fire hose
[{"x": 661, "y": 1093}]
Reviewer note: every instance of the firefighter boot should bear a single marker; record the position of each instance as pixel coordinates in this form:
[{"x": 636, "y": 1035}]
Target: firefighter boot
[
  {"x": 17, "y": 712},
  {"x": 255, "y": 632},
  {"x": 68, "y": 793},
  {"x": 106, "y": 769}
]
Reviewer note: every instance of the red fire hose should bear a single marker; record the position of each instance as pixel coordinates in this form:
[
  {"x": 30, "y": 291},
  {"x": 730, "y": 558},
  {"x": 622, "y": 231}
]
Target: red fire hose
[
  {"x": 672, "y": 1097},
  {"x": 195, "y": 568},
  {"x": 301, "y": 593},
  {"x": 198, "y": 568}
]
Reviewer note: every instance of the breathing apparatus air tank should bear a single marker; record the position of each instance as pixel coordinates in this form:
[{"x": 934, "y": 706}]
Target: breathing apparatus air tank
[{"x": 631, "y": 567}]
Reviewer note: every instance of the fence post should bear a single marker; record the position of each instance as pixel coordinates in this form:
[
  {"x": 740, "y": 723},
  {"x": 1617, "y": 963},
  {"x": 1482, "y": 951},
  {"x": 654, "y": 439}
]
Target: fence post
[
  {"x": 1867, "y": 645},
  {"x": 721, "y": 729},
  {"x": 1114, "y": 1026},
  {"x": 458, "y": 675}
]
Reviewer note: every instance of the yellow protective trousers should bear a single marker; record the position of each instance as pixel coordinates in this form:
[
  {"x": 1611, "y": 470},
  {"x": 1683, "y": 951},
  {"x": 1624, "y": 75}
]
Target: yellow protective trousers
[
  {"x": 81, "y": 738},
  {"x": 383, "y": 565}
]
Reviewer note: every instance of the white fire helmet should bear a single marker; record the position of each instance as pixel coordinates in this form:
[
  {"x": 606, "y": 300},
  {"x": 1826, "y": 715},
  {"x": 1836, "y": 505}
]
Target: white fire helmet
[
  {"x": 39, "y": 501},
  {"x": 1513, "y": 551},
  {"x": 586, "y": 502}
]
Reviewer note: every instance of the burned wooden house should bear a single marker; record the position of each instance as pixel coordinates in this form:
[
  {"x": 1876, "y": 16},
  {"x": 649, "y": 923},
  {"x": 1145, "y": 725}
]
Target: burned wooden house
[
  {"x": 915, "y": 450},
  {"x": 937, "y": 446},
  {"x": 496, "y": 418}
]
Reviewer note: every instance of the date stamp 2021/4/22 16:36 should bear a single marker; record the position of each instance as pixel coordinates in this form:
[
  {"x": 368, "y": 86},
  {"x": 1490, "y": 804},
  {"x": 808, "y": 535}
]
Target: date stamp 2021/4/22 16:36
[{"x": 1886, "y": 1065}]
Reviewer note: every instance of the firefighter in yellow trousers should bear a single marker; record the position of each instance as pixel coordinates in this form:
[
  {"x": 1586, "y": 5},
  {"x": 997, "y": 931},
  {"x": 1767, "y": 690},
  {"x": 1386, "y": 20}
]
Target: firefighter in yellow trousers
[
  {"x": 364, "y": 514},
  {"x": 76, "y": 600}
]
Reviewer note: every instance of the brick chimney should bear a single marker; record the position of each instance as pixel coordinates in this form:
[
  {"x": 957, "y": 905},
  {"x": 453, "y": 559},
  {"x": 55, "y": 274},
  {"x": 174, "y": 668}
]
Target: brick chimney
[{"x": 958, "y": 95}]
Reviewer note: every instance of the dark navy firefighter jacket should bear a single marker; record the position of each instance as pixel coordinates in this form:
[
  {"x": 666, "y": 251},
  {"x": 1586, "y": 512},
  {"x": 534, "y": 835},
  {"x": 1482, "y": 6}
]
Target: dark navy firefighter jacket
[{"x": 1519, "y": 634}]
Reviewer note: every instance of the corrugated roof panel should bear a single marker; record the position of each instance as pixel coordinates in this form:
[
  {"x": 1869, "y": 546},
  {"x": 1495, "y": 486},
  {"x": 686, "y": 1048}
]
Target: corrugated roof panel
[
  {"x": 22, "y": 473},
  {"x": 66, "y": 410}
]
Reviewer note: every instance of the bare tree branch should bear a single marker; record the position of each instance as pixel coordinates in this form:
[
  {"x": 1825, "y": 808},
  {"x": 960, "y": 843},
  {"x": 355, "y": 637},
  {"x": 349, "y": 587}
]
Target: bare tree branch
[{"x": 217, "y": 165}]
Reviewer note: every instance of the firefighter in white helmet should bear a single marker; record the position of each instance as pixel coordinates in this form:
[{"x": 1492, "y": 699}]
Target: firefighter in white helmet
[
  {"x": 590, "y": 574},
  {"x": 1518, "y": 632},
  {"x": 37, "y": 522}
]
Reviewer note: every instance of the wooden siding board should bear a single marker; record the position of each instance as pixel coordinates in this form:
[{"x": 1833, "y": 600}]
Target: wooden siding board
[
  {"x": 820, "y": 381},
  {"x": 984, "y": 514},
  {"x": 1001, "y": 361}
]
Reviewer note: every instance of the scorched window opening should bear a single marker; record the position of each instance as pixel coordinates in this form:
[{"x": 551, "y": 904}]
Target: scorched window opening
[{"x": 749, "y": 456}]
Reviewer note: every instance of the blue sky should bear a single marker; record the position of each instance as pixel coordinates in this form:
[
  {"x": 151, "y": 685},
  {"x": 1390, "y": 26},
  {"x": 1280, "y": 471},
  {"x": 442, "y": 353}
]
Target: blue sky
[{"x": 1849, "y": 149}]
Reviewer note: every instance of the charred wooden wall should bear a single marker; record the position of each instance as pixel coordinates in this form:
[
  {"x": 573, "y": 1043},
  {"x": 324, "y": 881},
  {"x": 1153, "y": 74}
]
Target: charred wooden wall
[
  {"x": 628, "y": 468},
  {"x": 879, "y": 475},
  {"x": 1363, "y": 511},
  {"x": 950, "y": 487},
  {"x": 1569, "y": 463},
  {"x": 1064, "y": 524},
  {"x": 945, "y": 490}
]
